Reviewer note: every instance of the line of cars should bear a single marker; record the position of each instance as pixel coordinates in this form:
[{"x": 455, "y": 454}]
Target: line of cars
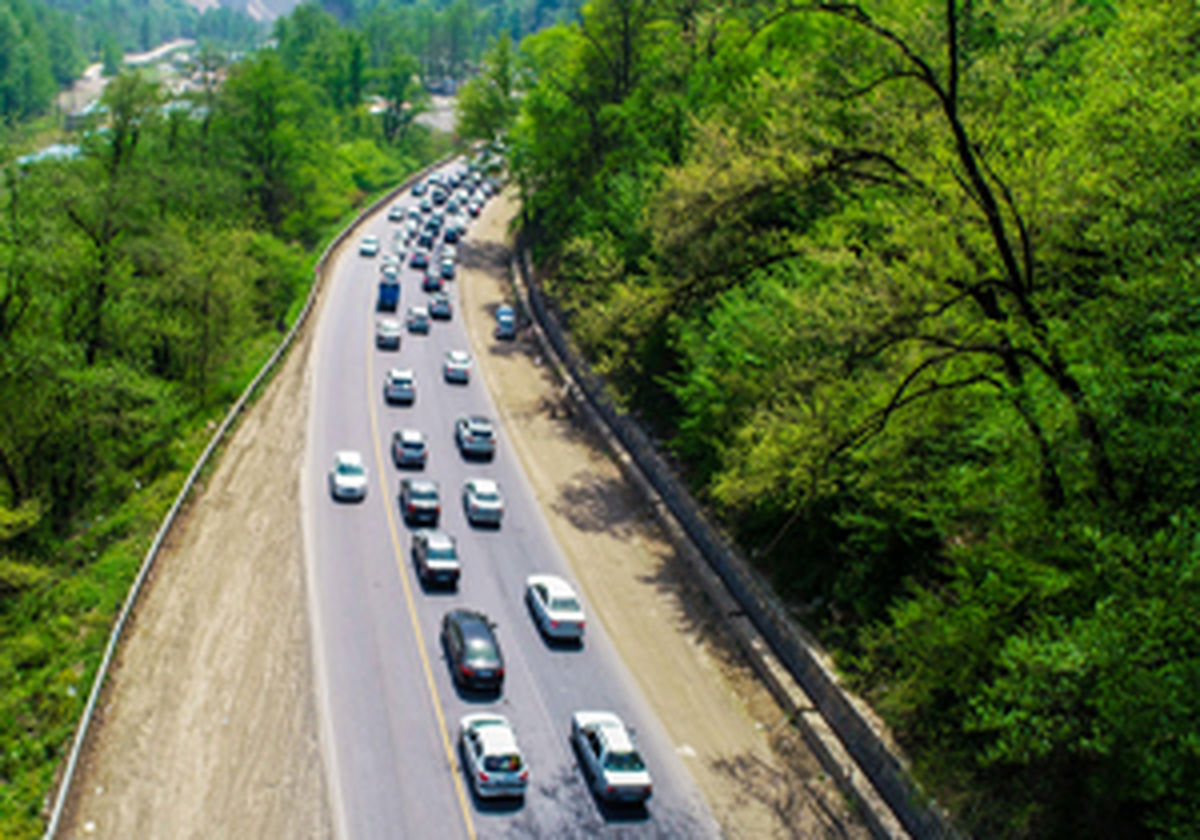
[{"x": 491, "y": 756}]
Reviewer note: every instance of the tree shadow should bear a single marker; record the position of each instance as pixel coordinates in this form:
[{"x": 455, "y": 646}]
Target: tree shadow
[
  {"x": 799, "y": 807},
  {"x": 595, "y": 504}
]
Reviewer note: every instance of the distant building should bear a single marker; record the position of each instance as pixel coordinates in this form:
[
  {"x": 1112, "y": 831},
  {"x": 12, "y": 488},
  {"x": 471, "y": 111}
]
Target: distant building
[{"x": 55, "y": 151}]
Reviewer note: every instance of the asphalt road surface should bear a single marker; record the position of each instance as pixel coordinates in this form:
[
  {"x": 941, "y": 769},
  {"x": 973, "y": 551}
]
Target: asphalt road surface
[{"x": 389, "y": 706}]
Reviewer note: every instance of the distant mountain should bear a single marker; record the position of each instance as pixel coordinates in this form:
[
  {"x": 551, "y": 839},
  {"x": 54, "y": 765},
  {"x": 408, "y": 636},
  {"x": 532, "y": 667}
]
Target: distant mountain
[{"x": 260, "y": 10}]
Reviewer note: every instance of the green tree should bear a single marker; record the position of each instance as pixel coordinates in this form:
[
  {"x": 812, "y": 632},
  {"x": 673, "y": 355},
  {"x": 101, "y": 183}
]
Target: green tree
[{"x": 487, "y": 104}]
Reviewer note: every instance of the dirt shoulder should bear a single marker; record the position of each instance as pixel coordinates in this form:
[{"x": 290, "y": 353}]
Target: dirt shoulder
[
  {"x": 754, "y": 769},
  {"x": 208, "y": 726}
]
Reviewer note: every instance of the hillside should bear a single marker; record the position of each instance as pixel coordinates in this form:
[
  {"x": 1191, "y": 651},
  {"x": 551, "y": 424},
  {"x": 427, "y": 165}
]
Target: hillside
[{"x": 263, "y": 11}]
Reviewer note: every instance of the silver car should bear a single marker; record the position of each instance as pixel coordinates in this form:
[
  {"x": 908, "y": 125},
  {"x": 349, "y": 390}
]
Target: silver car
[
  {"x": 440, "y": 306},
  {"x": 348, "y": 476},
  {"x": 369, "y": 246},
  {"x": 400, "y": 386},
  {"x": 436, "y": 557},
  {"x": 482, "y": 502},
  {"x": 475, "y": 435},
  {"x": 409, "y": 448}
]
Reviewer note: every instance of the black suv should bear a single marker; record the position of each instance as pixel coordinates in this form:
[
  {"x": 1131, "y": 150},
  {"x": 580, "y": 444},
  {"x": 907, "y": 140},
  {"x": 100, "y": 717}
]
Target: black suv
[
  {"x": 472, "y": 650},
  {"x": 419, "y": 501}
]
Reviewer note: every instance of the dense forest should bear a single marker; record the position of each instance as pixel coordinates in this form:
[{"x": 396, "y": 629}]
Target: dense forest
[
  {"x": 910, "y": 290},
  {"x": 446, "y": 37},
  {"x": 141, "y": 285},
  {"x": 45, "y": 45}
]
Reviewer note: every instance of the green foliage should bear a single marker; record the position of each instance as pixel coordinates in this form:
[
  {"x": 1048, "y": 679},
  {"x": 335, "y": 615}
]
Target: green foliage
[
  {"x": 486, "y": 104},
  {"x": 911, "y": 290},
  {"x": 141, "y": 286}
]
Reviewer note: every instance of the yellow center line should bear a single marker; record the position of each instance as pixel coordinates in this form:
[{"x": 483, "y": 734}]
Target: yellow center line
[{"x": 380, "y": 465}]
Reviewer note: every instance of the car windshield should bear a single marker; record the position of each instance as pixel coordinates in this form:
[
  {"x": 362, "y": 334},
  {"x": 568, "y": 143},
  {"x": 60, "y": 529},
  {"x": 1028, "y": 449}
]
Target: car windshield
[
  {"x": 564, "y": 604},
  {"x": 624, "y": 762},
  {"x": 502, "y": 763},
  {"x": 349, "y": 469},
  {"x": 415, "y": 445}
]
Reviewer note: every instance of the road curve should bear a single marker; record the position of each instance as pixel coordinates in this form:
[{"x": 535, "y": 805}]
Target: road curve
[{"x": 389, "y": 706}]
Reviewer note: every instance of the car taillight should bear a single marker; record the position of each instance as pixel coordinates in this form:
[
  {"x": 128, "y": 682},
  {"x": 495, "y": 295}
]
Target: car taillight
[
  {"x": 524, "y": 775},
  {"x": 412, "y": 508},
  {"x": 580, "y": 625},
  {"x": 483, "y": 777},
  {"x": 553, "y": 623},
  {"x": 610, "y": 789},
  {"x": 465, "y": 669},
  {"x": 499, "y": 672},
  {"x": 646, "y": 790}
]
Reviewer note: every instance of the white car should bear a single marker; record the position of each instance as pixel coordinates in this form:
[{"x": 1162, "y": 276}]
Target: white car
[
  {"x": 348, "y": 477},
  {"x": 387, "y": 334},
  {"x": 418, "y": 319},
  {"x": 369, "y": 246},
  {"x": 482, "y": 502},
  {"x": 457, "y": 366},
  {"x": 400, "y": 386},
  {"x": 396, "y": 213},
  {"x": 555, "y": 606},
  {"x": 612, "y": 764},
  {"x": 491, "y": 756}
]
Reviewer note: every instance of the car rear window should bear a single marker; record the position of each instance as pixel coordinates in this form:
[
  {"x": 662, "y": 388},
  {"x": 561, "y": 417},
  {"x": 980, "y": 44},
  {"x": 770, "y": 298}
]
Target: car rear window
[
  {"x": 565, "y": 604},
  {"x": 627, "y": 762},
  {"x": 502, "y": 763}
]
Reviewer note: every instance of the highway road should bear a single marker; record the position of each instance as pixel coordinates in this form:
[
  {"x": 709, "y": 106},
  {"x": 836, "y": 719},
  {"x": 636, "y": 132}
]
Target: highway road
[{"x": 389, "y": 708}]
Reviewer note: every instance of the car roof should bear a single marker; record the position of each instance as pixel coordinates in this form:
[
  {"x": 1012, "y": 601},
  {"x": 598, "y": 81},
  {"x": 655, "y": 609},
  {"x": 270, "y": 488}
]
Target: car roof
[
  {"x": 471, "y": 622},
  {"x": 497, "y": 738},
  {"x": 483, "y": 485},
  {"x": 458, "y": 355},
  {"x": 553, "y": 583},
  {"x": 609, "y": 728},
  {"x": 400, "y": 373},
  {"x": 478, "y": 420},
  {"x": 387, "y": 323},
  {"x": 418, "y": 310},
  {"x": 421, "y": 484},
  {"x": 348, "y": 456},
  {"x": 435, "y": 537}
]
